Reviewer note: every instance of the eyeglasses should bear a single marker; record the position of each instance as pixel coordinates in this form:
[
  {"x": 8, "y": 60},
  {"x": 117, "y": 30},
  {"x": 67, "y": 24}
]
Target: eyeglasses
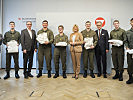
[
  {"x": 99, "y": 25},
  {"x": 29, "y": 24}
]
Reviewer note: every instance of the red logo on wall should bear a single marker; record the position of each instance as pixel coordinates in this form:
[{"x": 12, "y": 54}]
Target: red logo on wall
[
  {"x": 100, "y": 19},
  {"x": 19, "y": 18}
]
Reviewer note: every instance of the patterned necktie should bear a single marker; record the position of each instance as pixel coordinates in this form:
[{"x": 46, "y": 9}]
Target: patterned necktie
[{"x": 99, "y": 34}]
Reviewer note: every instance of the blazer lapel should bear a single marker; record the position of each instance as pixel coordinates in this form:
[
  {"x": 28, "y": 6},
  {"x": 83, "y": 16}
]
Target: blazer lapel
[
  {"x": 101, "y": 33},
  {"x": 32, "y": 34},
  {"x": 97, "y": 32},
  {"x": 28, "y": 33}
]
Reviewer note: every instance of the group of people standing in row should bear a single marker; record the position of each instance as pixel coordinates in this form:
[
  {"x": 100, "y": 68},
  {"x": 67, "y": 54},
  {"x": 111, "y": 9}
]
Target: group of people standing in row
[{"x": 99, "y": 48}]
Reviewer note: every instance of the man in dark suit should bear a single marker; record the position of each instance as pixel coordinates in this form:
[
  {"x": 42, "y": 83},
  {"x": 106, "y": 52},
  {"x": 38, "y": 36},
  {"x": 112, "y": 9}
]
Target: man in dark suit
[
  {"x": 29, "y": 45},
  {"x": 101, "y": 49}
]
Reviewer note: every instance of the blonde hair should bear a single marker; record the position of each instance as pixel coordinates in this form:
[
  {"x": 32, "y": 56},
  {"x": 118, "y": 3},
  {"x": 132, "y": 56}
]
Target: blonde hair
[{"x": 76, "y": 27}]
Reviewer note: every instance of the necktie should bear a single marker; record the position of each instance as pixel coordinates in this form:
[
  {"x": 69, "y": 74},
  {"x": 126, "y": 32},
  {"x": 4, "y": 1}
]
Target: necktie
[{"x": 99, "y": 34}]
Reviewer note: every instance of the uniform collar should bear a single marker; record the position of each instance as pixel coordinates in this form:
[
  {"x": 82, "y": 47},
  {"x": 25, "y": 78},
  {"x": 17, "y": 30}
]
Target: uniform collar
[
  {"x": 12, "y": 32},
  {"x": 131, "y": 29},
  {"x": 44, "y": 31},
  {"x": 87, "y": 31},
  {"x": 62, "y": 35},
  {"x": 117, "y": 29}
]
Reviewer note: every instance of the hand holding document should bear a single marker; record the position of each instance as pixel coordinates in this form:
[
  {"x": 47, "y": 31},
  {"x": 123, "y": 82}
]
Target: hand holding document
[
  {"x": 88, "y": 42},
  {"x": 116, "y": 42},
  {"x": 42, "y": 38},
  {"x": 130, "y": 51},
  {"x": 12, "y": 46},
  {"x": 61, "y": 44}
]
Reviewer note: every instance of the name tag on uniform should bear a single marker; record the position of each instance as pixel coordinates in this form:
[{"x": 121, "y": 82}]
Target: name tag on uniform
[{"x": 102, "y": 34}]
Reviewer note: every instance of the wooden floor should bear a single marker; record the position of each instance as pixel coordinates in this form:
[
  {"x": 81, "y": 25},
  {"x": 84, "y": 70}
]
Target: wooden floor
[{"x": 64, "y": 89}]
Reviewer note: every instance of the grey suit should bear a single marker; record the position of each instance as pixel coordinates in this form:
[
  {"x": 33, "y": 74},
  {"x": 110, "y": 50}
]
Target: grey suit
[
  {"x": 28, "y": 44},
  {"x": 26, "y": 41}
]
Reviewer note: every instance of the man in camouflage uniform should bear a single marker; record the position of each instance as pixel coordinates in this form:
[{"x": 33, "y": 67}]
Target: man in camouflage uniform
[
  {"x": 89, "y": 53},
  {"x": 129, "y": 45},
  {"x": 45, "y": 49},
  {"x": 118, "y": 52},
  {"x": 9, "y": 36},
  {"x": 60, "y": 52}
]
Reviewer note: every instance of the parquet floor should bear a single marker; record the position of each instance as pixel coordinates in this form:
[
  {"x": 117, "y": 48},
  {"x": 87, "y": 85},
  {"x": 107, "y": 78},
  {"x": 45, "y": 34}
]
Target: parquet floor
[{"x": 64, "y": 89}]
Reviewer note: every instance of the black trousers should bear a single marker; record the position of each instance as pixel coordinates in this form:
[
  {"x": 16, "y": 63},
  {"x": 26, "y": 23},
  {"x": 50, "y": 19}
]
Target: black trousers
[
  {"x": 28, "y": 58},
  {"x": 8, "y": 61},
  {"x": 101, "y": 57},
  {"x": 130, "y": 63}
]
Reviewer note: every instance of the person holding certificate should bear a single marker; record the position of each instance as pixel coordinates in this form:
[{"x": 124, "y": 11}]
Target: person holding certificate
[
  {"x": 45, "y": 38},
  {"x": 129, "y": 46},
  {"x": 60, "y": 42},
  {"x": 29, "y": 45},
  {"x": 118, "y": 51},
  {"x": 12, "y": 41},
  {"x": 76, "y": 41},
  {"x": 90, "y": 42}
]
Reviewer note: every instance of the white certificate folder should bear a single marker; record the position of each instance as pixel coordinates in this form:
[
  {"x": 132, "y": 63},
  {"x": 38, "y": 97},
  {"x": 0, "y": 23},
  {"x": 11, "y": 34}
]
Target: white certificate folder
[{"x": 12, "y": 46}]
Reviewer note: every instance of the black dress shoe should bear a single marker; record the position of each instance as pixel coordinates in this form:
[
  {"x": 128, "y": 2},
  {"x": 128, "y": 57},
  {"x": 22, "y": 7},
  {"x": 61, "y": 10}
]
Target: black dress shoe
[
  {"x": 116, "y": 75},
  {"x": 92, "y": 74},
  {"x": 130, "y": 79},
  {"x": 49, "y": 74},
  {"x": 39, "y": 74},
  {"x": 64, "y": 74},
  {"x": 30, "y": 75},
  {"x": 17, "y": 75},
  {"x": 104, "y": 75},
  {"x": 85, "y": 74},
  {"x": 99, "y": 74},
  {"x": 56, "y": 75},
  {"x": 121, "y": 77},
  {"x": 7, "y": 76},
  {"x": 26, "y": 75}
]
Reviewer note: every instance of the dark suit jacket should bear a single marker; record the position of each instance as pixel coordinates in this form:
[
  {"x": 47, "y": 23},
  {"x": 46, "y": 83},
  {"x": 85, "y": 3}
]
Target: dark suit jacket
[
  {"x": 103, "y": 41},
  {"x": 1, "y": 38},
  {"x": 26, "y": 41}
]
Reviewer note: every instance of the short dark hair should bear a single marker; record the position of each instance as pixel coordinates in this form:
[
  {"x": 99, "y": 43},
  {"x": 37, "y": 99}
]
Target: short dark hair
[
  {"x": 11, "y": 22},
  {"x": 131, "y": 19},
  {"x": 61, "y": 26},
  {"x": 45, "y": 21},
  {"x": 88, "y": 22},
  {"x": 99, "y": 22},
  {"x": 116, "y": 21},
  {"x": 28, "y": 21}
]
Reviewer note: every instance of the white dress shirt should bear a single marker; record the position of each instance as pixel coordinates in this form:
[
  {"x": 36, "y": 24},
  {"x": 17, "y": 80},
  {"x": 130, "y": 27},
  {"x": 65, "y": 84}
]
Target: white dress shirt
[
  {"x": 30, "y": 33},
  {"x": 73, "y": 38}
]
